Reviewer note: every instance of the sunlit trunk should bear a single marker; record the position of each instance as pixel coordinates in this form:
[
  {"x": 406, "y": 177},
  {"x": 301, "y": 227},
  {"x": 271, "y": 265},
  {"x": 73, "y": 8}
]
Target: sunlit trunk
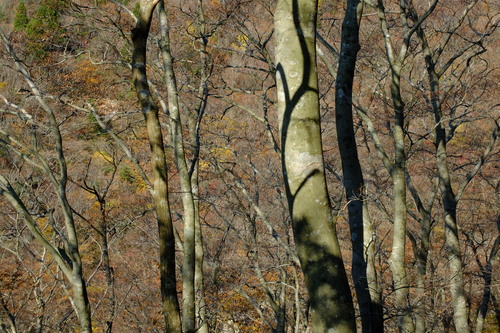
[
  {"x": 449, "y": 200},
  {"x": 170, "y": 302},
  {"x": 188, "y": 266},
  {"x": 303, "y": 170}
]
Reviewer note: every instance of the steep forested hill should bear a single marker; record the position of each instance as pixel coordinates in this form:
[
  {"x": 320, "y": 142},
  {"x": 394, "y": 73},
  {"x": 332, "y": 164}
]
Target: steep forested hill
[{"x": 147, "y": 183}]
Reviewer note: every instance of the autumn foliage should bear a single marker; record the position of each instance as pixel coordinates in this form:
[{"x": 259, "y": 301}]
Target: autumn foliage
[{"x": 78, "y": 53}]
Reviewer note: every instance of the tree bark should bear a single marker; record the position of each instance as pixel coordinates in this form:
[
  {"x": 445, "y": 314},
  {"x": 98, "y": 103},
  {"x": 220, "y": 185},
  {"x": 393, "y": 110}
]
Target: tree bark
[
  {"x": 194, "y": 120},
  {"x": 170, "y": 302},
  {"x": 303, "y": 170},
  {"x": 194, "y": 123},
  {"x": 487, "y": 277},
  {"x": 398, "y": 253},
  {"x": 421, "y": 251},
  {"x": 397, "y": 171},
  {"x": 188, "y": 266},
  {"x": 448, "y": 197},
  {"x": 371, "y": 311}
]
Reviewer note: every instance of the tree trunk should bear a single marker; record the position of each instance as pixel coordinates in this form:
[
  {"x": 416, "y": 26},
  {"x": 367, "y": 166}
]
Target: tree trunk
[
  {"x": 194, "y": 120},
  {"x": 487, "y": 276},
  {"x": 398, "y": 253},
  {"x": 110, "y": 280},
  {"x": 421, "y": 251},
  {"x": 374, "y": 288},
  {"x": 371, "y": 312},
  {"x": 303, "y": 170},
  {"x": 397, "y": 171},
  {"x": 449, "y": 200},
  {"x": 422, "y": 254},
  {"x": 159, "y": 166},
  {"x": 452, "y": 245},
  {"x": 188, "y": 266},
  {"x": 81, "y": 302}
]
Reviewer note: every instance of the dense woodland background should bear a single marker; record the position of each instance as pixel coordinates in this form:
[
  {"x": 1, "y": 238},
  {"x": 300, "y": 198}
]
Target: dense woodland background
[{"x": 74, "y": 149}]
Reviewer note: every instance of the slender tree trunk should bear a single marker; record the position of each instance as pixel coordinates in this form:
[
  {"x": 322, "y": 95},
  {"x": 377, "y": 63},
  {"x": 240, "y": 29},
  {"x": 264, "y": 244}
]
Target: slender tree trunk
[
  {"x": 170, "y": 302},
  {"x": 452, "y": 244},
  {"x": 188, "y": 266},
  {"x": 280, "y": 315},
  {"x": 449, "y": 199},
  {"x": 195, "y": 118},
  {"x": 194, "y": 122},
  {"x": 487, "y": 276},
  {"x": 303, "y": 170},
  {"x": 198, "y": 277},
  {"x": 370, "y": 243},
  {"x": 422, "y": 254},
  {"x": 398, "y": 254},
  {"x": 421, "y": 251},
  {"x": 71, "y": 265},
  {"x": 371, "y": 312},
  {"x": 397, "y": 171},
  {"x": 110, "y": 281}
]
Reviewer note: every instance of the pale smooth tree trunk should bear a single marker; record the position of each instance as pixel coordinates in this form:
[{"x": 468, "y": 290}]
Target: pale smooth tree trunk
[
  {"x": 188, "y": 266},
  {"x": 397, "y": 171},
  {"x": 436, "y": 69},
  {"x": 195, "y": 118},
  {"x": 303, "y": 169},
  {"x": 370, "y": 243},
  {"x": 449, "y": 199},
  {"x": 70, "y": 264},
  {"x": 422, "y": 251},
  {"x": 159, "y": 178},
  {"x": 202, "y": 324},
  {"x": 398, "y": 253},
  {"x": 198, "y": 276},
  {"x": 452, "y": 243},
  {"x": 370, "y": 310}
]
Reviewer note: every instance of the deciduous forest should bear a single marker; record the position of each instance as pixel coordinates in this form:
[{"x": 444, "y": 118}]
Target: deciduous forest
[{"x": 249, "y": 166}]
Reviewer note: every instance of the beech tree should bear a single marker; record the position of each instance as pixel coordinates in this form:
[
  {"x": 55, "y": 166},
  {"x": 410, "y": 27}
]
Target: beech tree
[
  {"x": 192, "y": 247},
  {"x": 363, "y": 270},
  {"x": 201, "y": 151},
  {"x": 303, "y": 169},
  {"x": 450, "y": 197},
  {"x": 192, "y": 269},
  {"x": 67, "y": 257},
  {"x": 140, "y": 35},
  {"x": 406, "y": 32}
]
